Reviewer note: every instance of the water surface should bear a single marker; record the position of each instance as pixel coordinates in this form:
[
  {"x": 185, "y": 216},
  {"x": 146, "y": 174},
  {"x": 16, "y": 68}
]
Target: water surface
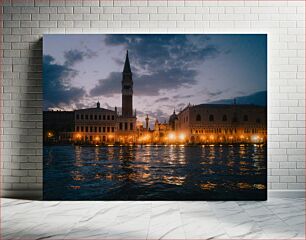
[{"x": 210, "y": 172}]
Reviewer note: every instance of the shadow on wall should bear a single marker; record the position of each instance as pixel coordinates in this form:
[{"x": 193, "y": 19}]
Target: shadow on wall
[{"x": 26, "y": 158}]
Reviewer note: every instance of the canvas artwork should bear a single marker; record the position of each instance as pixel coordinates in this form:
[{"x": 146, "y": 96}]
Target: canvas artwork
[{"x": 155, "y": 117}]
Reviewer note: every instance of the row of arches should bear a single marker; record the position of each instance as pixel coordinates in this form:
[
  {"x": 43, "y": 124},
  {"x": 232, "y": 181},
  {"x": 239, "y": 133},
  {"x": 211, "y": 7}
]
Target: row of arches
[{"x": 224, "y": 118}]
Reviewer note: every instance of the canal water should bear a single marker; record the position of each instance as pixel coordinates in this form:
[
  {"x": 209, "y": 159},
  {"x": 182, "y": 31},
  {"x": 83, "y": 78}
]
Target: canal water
[{"x": 210, "y": 172}]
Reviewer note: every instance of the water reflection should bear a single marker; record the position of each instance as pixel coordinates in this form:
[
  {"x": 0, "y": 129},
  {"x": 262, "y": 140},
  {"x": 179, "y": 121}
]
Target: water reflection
[{"x": 155, "y": 172}]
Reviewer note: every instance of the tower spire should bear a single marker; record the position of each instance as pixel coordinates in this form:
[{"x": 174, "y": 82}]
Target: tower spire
[
  {"x": 127, "y": 67},
  {"x": 147, "y": 122},
  {"x": 127, "y": 88}
]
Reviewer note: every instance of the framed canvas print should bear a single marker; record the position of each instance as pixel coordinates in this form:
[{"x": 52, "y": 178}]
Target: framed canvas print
[{"x": 155, "y": 117}]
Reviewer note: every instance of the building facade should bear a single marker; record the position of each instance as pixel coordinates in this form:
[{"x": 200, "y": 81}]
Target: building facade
[
  {"x": 209, "y": 123},
  {"x": 100, "y": 125},
  {"x": 95, "y": 125},
  {"x": 200, "y": 124}
]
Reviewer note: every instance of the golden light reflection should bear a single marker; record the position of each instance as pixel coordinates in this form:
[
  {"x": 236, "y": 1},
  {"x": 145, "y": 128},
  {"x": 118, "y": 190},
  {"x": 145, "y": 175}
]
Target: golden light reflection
[
  {"x": 174, "y": 180},
  {"x": 98, "y": 176},
  {"x": 77, "y": 176},
  {"x": 78, "y": 160},
  {"x": 259, "y": 186},
  {"x": 208, "y": 186},
  {"x": 50, "y": 134},
  {"x": 244, "y": 186},
  {"x": 97, "y": 153}
]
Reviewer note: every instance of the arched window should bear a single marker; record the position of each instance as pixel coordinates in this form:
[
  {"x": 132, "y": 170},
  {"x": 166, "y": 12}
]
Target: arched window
[
  {"x": 211, "y": 118},
  {"x": 245, "y": 118},
  {"x": 224, "y": 118},
  {"x": 198, "y": 118}
]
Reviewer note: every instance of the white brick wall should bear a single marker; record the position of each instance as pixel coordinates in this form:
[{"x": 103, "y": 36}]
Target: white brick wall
[{"x": 24, "y": 22}]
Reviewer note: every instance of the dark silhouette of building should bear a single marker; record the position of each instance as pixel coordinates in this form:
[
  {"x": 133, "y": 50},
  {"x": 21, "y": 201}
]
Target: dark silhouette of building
[
  {"x": 127, "y": 89},
  {"x": 57, "y": 125},
  {"x": 173, "y": 118}
]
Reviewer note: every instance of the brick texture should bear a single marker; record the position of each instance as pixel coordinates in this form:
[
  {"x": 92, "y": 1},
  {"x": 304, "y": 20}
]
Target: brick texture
[{"x": 25, "y": 21}]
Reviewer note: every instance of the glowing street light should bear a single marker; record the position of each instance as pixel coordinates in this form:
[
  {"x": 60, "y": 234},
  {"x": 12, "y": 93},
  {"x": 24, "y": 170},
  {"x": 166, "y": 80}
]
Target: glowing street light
[
  {"x": 171, "y": 136},
  {"x": 182, "y": 137},
  {"x": 254, "y": 138}
]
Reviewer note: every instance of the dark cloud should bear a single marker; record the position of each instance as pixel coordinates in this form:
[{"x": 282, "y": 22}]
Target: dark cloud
[
  {"x": 181, "y": 105},
  {"x": 182, "y": 96},
  {"x": 159, "y": 62},
  {"x": 163, "y": 99},
  {"x": 257, "y": 98},
  {"x": 211, "y": 94},
  {"x": 74, "y": 55},
  {"x": 164, "y": 51},
  {"x": 56, "y": 81},
  {"x": 146, "y": 85},
  {"x": 109, "y": 86}
]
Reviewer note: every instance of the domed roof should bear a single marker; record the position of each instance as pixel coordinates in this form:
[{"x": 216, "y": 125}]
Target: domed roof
[{"x": 173, "y": 117}]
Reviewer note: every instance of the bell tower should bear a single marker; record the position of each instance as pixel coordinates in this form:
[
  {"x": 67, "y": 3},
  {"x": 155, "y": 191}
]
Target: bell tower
[{"x": 127, "y": 89}]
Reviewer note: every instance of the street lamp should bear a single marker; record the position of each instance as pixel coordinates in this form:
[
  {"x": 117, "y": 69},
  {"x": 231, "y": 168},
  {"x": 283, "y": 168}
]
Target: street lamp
[
  {"x": 171, "y": 136},
  {"x": 182, "y": 137}
]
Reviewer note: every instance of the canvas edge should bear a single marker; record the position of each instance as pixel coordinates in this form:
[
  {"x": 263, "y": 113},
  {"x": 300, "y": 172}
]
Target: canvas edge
[{"x": 38, "y": 194}]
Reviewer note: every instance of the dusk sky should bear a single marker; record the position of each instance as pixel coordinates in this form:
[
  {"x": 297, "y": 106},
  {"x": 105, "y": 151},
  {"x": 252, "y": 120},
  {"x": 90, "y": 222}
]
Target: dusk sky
[{"x": 169, "y": 71}]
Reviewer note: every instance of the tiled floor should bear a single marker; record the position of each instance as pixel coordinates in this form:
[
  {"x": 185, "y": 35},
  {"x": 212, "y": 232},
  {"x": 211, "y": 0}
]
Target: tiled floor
[{"x": 274, "y": 219}]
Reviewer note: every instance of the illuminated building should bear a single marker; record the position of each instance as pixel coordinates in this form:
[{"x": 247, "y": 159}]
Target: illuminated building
[
  {"x": 99, "y": 125},
  {"x": 223, "y": 123},
  {"x": 161, "y": 131},
  {"x": 95, "y": 125},
  {"x": 204, "y": 123}
]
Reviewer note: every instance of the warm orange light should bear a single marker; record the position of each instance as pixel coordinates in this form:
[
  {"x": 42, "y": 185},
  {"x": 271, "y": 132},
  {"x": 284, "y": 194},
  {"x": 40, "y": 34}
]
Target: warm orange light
[
  {"x": 254, "y": 138},
  {"x": 97, "y": 139},
  {"x": 171, "y": 136},
  {"x": 212, "y": 137},
  {"x": 182, "y": 136},
  {"x": 241, "y": 136},
  {"x": 78, "y": 136},
  {"x": 50, "y": 134}
]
